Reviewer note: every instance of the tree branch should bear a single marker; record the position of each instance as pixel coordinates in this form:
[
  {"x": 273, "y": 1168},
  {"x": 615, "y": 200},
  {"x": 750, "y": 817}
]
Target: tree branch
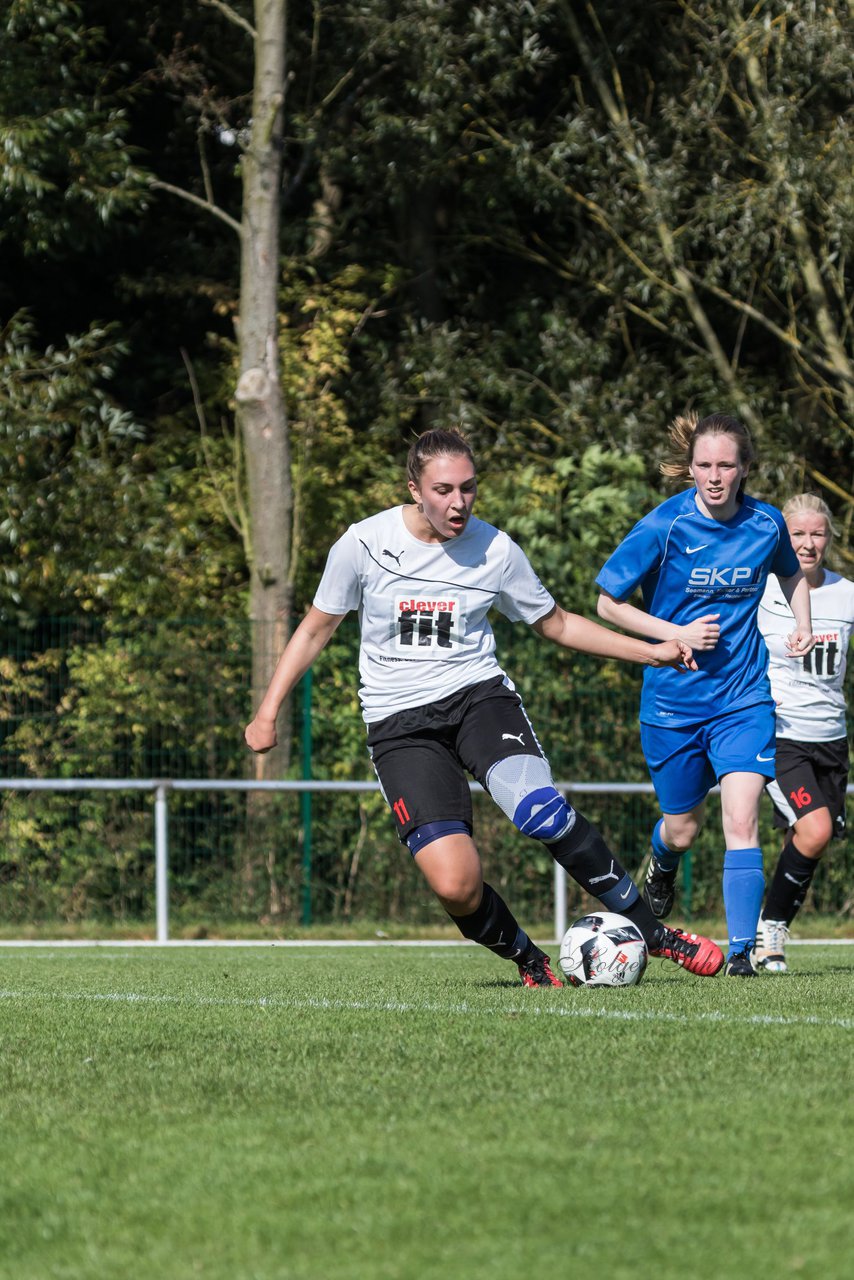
[
  {"x": 232, "y": 16},
  {"x": 632, "y": 148},
  {"x": 237, "y": 525},
  {"x": 156, "y": 185}
]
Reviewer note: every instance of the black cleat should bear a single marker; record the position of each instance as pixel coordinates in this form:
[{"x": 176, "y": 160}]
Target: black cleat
[
  {"x": 740, "y": 965},
  {"x": 659, "y": 889},
  {"x": 537, "y": 972}
]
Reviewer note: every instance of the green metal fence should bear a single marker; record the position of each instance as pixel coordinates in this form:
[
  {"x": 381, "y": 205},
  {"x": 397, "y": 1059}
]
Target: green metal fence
[{"x": 142, "y": 699}]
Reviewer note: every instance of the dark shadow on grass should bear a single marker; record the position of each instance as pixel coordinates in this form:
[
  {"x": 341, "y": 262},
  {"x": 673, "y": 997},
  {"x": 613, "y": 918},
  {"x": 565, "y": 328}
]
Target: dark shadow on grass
[{"x": 507, "y": 984}]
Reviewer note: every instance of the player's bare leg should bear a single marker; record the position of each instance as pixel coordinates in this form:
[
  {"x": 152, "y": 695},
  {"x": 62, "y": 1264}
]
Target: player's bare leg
[{"x": 452, "y": 868}]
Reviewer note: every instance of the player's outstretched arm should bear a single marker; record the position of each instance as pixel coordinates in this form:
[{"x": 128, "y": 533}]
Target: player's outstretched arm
[
  {"x": 797, "y": 592},
  {"x": 702, "y": 633},
  {"x": 313, "y": 634},
  {"x": 572, "y": 631}
]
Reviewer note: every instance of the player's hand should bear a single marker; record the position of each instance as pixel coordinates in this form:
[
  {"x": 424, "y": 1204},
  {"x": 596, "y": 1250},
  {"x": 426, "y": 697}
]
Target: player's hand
[
  {"x": 702, "y": 633},
  {"x": 260, "y": 735},
  {"x": 674, "y": 653},
  {"x": 799, "y": 643}
]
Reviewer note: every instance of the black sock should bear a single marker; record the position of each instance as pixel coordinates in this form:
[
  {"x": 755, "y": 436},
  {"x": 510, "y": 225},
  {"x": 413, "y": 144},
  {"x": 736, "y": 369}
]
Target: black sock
[
  {"x": 649, "y": 925},
  {"x": 789, "y": 884},
  {"x": 585, "y": 855},
  {"x": 587, "y": 858},
  {"x": 493, "y": 925}
]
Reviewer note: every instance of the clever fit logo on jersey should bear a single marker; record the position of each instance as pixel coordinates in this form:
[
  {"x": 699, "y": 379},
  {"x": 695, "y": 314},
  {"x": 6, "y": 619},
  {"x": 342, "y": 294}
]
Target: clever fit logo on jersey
[
  {"x": 733, "y": 580},
  {"x": 427, "y": 623},
  {"x": 822, "y": 662}
]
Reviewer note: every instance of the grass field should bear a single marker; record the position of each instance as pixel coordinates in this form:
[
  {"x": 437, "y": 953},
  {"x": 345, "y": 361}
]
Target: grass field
[{"x": 412, "y": 1112}]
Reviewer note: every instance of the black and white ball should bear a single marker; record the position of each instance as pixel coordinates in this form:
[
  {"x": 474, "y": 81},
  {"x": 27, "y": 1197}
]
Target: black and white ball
[{"x": 603, "y": 950}]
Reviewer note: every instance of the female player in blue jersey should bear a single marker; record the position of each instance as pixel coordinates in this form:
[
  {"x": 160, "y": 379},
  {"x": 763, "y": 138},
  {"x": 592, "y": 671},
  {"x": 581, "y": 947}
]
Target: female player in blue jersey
[
  {"x": 701, "y": 560},
  {"x": 438, "y": 707}
]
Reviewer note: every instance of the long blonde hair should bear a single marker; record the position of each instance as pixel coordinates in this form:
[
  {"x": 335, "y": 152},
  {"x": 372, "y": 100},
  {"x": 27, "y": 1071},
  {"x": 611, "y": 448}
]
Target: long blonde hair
[{"x": 687, "y": 428}]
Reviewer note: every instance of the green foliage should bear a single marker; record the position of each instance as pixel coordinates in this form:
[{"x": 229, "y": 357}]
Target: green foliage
[
  {"x": 64, "y": 453},
  {"x": 67, "y": 164},
  {"x": 330, "y": 465},
  {"x": 140, "y": 701},
  {"x": 97, "y": 516},
  {"x": 569, "y": 514},
  {"x": 555, "y": 225}
]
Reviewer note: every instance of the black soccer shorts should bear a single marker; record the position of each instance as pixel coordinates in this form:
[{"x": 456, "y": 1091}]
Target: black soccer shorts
[
  {"x": 422, "y": 756},
  {"x": 810, "y": 775}
]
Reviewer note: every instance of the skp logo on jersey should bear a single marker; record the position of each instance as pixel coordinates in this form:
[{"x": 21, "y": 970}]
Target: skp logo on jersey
[
  {"x": 423, "y": 622},
  {"x": 729, "y": 577}
]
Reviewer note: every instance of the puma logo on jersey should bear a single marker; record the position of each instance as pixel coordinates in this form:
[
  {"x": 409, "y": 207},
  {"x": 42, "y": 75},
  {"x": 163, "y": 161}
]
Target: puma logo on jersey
[
  {"x": 392, "y": 556},
  {"x": 516, "y": 737}
]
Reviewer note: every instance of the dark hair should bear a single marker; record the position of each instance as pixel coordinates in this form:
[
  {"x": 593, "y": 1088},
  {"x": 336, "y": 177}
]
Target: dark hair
[
  {"x": 686, "y": 430},
  {"x": 435, "y": 444}
]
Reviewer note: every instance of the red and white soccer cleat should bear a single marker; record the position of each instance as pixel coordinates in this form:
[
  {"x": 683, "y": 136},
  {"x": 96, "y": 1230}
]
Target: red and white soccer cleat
[{"x": 690, "y": 950}]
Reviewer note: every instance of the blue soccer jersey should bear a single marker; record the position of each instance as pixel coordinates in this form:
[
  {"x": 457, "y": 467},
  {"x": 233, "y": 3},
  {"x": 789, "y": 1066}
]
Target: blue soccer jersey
[{"x": 688, "y": 565}]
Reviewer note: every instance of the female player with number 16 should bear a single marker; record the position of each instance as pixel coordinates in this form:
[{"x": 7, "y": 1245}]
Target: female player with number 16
[{"x": 812, "y": 734}]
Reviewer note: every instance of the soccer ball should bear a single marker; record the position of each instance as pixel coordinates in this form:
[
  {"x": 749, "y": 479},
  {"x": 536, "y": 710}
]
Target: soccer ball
[{"x": 603, "y": 950}]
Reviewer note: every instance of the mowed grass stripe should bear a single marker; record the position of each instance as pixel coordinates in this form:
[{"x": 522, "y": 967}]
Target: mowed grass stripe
[
  {"x": 393, "y": 1115},
  {"x": 463, "y": 1009}
]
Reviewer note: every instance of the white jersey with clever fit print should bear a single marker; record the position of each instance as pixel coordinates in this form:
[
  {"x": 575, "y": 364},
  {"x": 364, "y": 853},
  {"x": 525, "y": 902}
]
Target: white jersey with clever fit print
[
  {"x": 423, "y": 607},
  {"x": 809, "y": 691}
]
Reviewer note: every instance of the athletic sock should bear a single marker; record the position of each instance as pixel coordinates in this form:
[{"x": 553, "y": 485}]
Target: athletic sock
[
  {"x": 743, "y": 885},
  {"x": 585, "y": 855},
  {"x": 650, "y": 926},
  {"x": 493, "y": 925},
  {"x": 789, "y": 884},
  {"x": 668, "y": 859}
]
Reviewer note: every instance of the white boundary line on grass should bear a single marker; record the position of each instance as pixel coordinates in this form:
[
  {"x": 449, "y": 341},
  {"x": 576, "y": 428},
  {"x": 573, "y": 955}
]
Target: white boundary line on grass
[
  {"x": 401, "y": 1006},
  {"x": 312, "y": 942}
]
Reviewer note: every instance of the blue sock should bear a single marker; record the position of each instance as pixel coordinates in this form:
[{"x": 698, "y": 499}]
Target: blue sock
[
  {"x": 744, "y": 885},
  {"x": 667, "y": 858}
]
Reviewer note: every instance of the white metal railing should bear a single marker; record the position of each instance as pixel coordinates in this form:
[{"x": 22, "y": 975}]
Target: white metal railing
[{"x": 162, "y": 786}]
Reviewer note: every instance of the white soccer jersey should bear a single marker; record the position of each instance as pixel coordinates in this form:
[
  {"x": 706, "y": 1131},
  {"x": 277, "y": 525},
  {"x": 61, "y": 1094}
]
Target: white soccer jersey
[
  {"x": 423, "y": 606},
  {"x": 809, "y": 691}
]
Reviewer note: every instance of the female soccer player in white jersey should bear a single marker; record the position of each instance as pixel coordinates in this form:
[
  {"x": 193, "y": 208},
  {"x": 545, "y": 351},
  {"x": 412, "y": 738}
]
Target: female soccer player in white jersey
[
  {"x": 702, "y": 559},
  {"x": 812, "y": 734},
  {"x": 423, "y": 577}
]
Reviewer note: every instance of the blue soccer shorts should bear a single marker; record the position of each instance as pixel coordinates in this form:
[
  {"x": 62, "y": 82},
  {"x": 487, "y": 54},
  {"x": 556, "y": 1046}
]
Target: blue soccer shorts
[{"x": 685, "y": 761}]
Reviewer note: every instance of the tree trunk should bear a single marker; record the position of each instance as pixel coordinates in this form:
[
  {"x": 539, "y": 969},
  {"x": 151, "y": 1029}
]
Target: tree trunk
[{"x": 260, "y": 406}]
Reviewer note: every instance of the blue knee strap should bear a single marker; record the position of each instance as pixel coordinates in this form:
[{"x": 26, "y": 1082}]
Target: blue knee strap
[
  {"x": 430, "y": 831},
  {"x": 543, "y": 814}
]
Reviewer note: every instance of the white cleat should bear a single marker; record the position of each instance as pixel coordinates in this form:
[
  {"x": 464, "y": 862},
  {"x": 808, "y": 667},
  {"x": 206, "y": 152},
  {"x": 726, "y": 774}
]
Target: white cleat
[{"x": 769, "y": 952}]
